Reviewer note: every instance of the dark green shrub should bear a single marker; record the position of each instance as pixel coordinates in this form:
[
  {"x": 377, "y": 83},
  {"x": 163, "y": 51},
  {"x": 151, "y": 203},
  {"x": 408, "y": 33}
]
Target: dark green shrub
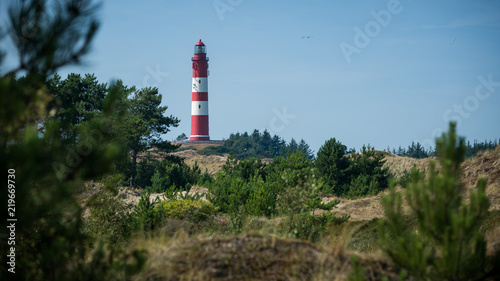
[
  {"x": 262, "y": 200},
  {"x": 144, "y": 214},
  {"x": 361, "y": 186},
  {"x": 355, "y": 175},
  {"x": 332, "y": 165},
  {"x": 306, "y": 226},
  {"x": 233, "y": 184},
  {"x": 366, "y": 170}
]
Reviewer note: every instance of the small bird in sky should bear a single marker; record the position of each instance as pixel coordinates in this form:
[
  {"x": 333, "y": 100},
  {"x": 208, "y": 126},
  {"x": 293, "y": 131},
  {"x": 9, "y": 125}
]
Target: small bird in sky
[
  {"x": 453, "y": 43},
  {"x": 306, "y": 37}
]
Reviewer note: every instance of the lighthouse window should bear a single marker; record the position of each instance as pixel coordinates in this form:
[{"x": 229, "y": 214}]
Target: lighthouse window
[
  {"x": 199, "y": 94},
  {"x": 199, "y": 105},
  {"x": 199, "y": 49},
  {"x": 199, "y": 118},
  {"x": 199, "y": 132}
]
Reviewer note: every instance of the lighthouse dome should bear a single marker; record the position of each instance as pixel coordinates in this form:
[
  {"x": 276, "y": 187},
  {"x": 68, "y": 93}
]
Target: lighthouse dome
[{"x": 200, "y": 48}]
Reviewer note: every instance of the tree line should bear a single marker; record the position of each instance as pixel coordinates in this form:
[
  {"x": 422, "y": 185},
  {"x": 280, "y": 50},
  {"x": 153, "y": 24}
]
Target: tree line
[
  {"x": 258, "y": 145},
  {"x": 416, "y": 150}
]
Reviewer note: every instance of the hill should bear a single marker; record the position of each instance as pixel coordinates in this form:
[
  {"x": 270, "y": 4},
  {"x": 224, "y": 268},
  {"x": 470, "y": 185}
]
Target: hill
[
  {"x": 484, "y": 164},
  {"x": 259, "y": 254}
]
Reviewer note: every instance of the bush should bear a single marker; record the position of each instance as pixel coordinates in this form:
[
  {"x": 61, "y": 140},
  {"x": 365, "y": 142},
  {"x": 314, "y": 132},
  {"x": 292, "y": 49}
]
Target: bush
[
  {"x": 362, "y": 186},
  {"x": 447, "y": 243},
  {"x": 144, "y": 213},
  {"x": 158, "y": 176},
  {"x": 191, "y": 210},
  {"x": 262, "y": 201},
  {"x": 354, "y": 176},
  {"x": 234, "y": 184},
  {"x": 332, "y": 165},
  {"x": 109, "y": 219},
  {"x": 306, "y": 226}
]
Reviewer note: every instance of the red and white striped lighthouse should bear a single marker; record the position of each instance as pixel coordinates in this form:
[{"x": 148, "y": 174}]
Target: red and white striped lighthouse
[{"x": 199, "y": 103}]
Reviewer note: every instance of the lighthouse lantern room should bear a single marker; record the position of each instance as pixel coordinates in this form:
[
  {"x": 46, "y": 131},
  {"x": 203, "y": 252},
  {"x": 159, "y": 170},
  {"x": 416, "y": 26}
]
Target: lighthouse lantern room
[{"x": 199, "y": 103}]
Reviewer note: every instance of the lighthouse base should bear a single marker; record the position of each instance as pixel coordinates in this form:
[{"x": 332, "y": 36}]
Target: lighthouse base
[{"x": 199, "y": 138}]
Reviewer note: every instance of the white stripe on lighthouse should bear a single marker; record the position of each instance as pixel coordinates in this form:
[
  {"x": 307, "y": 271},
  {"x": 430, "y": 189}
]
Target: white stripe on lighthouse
[
  {"x": 199, "y": 108},
  {"x": 200, "y": 84}
]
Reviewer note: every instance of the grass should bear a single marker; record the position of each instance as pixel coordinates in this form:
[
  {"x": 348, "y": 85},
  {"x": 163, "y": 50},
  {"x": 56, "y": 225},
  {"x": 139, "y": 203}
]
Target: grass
[
  {"x": 183, "y": 250},
  {"x": 252, "y": 257}
]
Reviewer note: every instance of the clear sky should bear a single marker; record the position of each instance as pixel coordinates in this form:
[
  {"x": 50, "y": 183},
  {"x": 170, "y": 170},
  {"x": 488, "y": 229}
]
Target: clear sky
[{"x": 383, "y": 73}]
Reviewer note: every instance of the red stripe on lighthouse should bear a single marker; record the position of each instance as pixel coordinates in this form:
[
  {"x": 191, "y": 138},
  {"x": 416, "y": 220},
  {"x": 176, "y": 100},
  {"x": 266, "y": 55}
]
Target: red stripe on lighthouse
[
  {"x": 200, "y": 96},
  {"x": 199, "y": 127}
]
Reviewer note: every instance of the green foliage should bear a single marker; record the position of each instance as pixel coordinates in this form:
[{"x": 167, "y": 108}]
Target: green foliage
[
  {"x": 181, "y": 175},
  {"x": 159, "y": 176},
  {"x": 353, "y": 176},
  {"x": 474, "y": 148},
  {"x": 369, "y": 163},
  {"x": 406, "y": 177},
  {"x": 361, "y": 186},
  {"x": 213, "y": 150},
  {"x": 181, "y": 137},
  {"x": 262, "y": 201},
  {"x": 234, "y": 184},
  {"x": 416, "y": 150},
  {"x": 306, "y": 226},
  {"x": 357, "y": 273},
  {"x": 144, "y": 213},
  {"x": 238, "y": 220},
  {"x": 146, "y": 170},
  {"x": 157, "y": 182},
  {"x": 191, "y": 210},
  {"x": 447, "y": 243},
  {"x": 143, "y": 125},
  {"x": 332, "y": 165},
  {"x": 50, "y": 171},
  {"x": 258, "y": 145},
  {"x": 76, "y": 99},
  {"x": 109, "y": 219},
  {"x": 287, "y": 186}
]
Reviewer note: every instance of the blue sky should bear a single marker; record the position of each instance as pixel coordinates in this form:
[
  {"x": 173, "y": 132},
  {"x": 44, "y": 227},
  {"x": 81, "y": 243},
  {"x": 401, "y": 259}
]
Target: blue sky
[{"x": 383, "y": 73}]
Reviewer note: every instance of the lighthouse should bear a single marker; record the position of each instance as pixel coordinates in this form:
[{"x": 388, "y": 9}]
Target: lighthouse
[{"x": 199, "y": 102}]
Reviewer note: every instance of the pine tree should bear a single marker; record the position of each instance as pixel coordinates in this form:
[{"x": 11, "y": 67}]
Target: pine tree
[
  {"x": 46, "y": 173},
  {"x": 447, "y": 243},
  {"x": 332, "y": 165},
  {"x": 144, "y": 124},
  {"x": 304, "y": 147}
]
